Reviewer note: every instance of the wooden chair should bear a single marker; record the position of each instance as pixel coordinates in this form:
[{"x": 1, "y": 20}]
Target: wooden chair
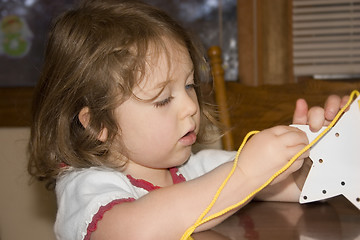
[
  {"x": 245, "y": 108},
  {"x": 220, "y": 95}
]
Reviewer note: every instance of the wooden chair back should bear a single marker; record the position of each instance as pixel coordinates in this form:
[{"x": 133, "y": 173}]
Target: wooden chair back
[
  {"x": 217, "y": 72},
  {"x": 245, "y": 108}
]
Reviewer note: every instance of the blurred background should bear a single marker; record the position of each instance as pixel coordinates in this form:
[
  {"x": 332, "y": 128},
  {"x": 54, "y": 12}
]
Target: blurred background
[
  {"x": 25, "y": 23},
  {"x": 273, "y": 51}
]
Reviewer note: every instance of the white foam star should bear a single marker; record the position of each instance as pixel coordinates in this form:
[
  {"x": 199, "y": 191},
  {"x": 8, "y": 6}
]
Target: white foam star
[{"x": 336, "y": 160}]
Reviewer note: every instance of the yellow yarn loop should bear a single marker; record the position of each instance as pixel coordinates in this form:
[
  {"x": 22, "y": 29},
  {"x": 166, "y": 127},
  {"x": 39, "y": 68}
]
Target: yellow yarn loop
[{"x": 201, "y": 220}]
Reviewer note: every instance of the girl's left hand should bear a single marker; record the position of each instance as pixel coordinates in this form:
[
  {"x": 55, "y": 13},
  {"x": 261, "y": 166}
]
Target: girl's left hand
[{"x": 317, "y": 117}]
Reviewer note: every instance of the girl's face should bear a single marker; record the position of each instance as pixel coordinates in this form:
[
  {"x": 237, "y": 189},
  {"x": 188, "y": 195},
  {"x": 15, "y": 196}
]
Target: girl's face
[{"x": 158, "y": 134}]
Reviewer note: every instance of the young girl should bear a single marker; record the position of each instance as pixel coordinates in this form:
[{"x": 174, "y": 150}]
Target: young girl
[{"x": 116, "y": 112}]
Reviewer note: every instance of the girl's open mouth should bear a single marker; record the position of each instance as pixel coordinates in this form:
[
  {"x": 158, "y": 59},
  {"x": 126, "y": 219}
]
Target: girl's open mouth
[{"x": 189, "y": 138}]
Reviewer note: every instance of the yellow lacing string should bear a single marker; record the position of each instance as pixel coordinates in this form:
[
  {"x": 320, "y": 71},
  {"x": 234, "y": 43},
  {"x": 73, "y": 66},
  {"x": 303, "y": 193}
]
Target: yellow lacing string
[{"x": 201, "y": 220}]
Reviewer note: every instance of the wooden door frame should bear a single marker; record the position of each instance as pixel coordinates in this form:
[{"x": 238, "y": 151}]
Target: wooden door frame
[{"x": 265, "y": 42}]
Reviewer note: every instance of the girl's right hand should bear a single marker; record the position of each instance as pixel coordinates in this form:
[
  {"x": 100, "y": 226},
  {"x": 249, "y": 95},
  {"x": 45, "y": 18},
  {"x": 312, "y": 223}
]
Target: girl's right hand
[{"x": 269, "y": 150}]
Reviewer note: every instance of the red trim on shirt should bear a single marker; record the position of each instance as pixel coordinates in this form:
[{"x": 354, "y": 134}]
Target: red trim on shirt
[
  {"x": 142, "y": 183},
  {"x": 100, "y": 214},
  {"x": 176, "y": 177}
]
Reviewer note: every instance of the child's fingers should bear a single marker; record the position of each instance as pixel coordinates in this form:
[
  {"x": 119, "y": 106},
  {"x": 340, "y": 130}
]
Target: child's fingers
[
  {"x": 292, "y": 136},
  {"x": 296, "y": 165},
  {"x": 293, "y": 150},
  {"x": 332, "y": 106},
  {"x": 301, "y": 111},
  {"x": 304, "y": 154},
  {"x": 344, "y": 101},
  {"x": 281, "y": 130},
  {"x": 316, "y": 118}
]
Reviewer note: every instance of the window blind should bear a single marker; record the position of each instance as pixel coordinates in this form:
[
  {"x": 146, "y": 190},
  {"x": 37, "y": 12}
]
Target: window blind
[{"x": 326, "y": 38}]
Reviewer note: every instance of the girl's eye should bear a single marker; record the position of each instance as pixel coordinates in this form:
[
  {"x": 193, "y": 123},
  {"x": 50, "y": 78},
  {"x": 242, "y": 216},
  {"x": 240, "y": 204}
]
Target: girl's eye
[
  {"x": 163, "y": 102},
  {"x": 190, "y": 86}
]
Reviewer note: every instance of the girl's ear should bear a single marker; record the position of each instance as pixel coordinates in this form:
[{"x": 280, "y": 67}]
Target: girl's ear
[{"x": 84, "y": 118}]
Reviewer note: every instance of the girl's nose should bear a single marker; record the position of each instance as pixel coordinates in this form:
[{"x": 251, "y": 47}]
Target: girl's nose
[{"x": 189, "y": 104}]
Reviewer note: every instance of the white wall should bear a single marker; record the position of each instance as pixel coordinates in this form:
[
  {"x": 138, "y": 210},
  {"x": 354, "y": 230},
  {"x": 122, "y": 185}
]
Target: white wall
[{"x": 27, "y": 211}]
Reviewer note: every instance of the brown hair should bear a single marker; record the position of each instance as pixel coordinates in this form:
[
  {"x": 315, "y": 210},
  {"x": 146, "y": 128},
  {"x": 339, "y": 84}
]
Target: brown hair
[{"x": 93, "y": 58}]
